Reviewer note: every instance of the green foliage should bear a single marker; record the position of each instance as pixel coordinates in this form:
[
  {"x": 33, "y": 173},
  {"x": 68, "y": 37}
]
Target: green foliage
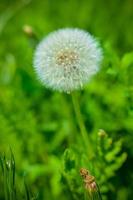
[
  {"x": 109, "y": 153},
  {"x": 10, "y": 189},
  {"x": 8, "y": 169},
  {"x": 107, "y": 159},
  {"x": 40, "y": 125}
]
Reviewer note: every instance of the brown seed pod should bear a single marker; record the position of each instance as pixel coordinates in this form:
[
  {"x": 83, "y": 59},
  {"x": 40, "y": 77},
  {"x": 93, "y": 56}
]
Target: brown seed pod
[
  {"x": 88, "y": 179},
  {"x": 84, "y": 172}
]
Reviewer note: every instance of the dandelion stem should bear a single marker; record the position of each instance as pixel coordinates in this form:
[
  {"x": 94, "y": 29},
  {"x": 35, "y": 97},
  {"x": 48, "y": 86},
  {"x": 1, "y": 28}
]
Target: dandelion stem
[{"x": 81, "y": 123}]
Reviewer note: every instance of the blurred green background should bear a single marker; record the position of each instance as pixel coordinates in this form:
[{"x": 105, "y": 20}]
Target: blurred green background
[{"x": 40, "y": 126}]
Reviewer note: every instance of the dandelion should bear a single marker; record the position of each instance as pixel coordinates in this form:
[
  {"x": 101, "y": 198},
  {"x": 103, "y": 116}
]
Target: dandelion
[{"x": 67, "y": 59}]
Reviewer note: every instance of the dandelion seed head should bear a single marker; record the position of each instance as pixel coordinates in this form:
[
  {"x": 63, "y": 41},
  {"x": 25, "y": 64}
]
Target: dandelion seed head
[{"x": 66, "y": 59}]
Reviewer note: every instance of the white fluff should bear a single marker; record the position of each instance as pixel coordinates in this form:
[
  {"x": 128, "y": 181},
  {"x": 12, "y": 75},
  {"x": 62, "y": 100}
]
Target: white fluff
[{"x": 66, "y": 59}]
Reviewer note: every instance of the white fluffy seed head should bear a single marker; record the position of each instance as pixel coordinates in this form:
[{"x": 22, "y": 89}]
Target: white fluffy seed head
[{"x": 66, "y": 59}]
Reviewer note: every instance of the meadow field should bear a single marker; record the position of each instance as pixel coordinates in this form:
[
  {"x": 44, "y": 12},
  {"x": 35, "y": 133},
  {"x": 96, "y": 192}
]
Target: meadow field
[{"x": 42, "y": 144}]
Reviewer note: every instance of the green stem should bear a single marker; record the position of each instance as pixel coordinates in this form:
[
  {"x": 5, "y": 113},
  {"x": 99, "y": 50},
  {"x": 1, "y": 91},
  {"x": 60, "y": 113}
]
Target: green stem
[{"x": 81, "y": 124}]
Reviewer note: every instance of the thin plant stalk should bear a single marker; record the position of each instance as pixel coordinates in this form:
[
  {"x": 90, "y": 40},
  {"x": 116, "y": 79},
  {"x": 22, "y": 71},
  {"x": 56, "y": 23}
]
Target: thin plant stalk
[{"x": 81, "y": 124}]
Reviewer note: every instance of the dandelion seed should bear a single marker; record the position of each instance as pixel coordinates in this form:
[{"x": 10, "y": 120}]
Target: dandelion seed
[{"x": 66, "y": 59}]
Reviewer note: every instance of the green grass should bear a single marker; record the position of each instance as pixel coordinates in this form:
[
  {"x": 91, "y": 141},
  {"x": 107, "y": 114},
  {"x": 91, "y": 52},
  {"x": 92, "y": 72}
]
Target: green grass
[{"x": 11, "y": 189}]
